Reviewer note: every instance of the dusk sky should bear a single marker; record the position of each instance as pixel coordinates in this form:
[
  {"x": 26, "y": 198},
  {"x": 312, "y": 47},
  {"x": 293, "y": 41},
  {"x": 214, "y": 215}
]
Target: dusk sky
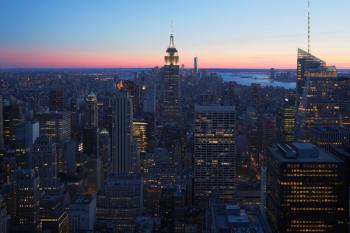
[{"x": 135, "y": 33}]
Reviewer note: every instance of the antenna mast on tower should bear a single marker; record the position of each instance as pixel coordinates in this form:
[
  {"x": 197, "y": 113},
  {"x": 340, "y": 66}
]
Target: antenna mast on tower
[{"x": 308, "y": 28}]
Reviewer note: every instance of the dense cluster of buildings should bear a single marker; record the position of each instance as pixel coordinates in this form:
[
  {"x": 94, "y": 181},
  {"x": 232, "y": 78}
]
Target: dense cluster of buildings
[{"x": 174, "y": 150}]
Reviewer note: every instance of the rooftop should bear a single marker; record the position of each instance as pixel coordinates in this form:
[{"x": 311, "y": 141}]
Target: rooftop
[
  {"x": 302, "y": 153},
  {"x": 213, "y": 108},
  {"x": 84, "y": 199},
  {"x": 331, "y": 129},
  {"x": 232, "y": 218}
]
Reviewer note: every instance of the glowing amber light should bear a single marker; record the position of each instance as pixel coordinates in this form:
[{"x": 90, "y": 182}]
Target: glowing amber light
[{"x": 120, "y": 85}]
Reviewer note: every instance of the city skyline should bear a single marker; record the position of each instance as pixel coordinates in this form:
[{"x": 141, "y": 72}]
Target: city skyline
[{"x": 134, "y": 35}]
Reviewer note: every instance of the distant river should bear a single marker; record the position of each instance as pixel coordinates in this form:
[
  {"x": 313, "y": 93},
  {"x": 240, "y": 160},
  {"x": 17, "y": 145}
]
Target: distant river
[{"x": 248, "y": 78}]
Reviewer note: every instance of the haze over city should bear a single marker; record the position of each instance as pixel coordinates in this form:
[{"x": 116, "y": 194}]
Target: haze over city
[{"x": 224, "y": 34}]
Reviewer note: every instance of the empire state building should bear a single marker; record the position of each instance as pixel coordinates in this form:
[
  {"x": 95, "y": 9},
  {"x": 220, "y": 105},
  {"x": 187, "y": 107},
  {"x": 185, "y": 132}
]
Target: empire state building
[{"x": 171, "y": 82}]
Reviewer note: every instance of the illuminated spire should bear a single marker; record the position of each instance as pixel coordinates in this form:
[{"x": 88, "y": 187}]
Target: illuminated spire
[
  {"x": 308, "y": 28},
  {"x": 171, "y": 57},
  {"x": 171, "y": 44}
]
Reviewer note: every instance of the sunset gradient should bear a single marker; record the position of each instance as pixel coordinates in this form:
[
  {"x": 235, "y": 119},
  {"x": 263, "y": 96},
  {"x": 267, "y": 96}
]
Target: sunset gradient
[{"x": 115, "y": 34}]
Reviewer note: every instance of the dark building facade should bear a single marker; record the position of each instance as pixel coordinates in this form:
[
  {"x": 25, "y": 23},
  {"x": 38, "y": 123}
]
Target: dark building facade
[
  {"x": 171, "y": 82},
  {"x": 305, "y": 189}
]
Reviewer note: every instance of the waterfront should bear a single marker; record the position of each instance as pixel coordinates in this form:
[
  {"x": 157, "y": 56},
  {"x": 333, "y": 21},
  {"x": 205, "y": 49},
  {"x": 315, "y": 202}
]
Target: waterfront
[{"x": 248, "y": 78}]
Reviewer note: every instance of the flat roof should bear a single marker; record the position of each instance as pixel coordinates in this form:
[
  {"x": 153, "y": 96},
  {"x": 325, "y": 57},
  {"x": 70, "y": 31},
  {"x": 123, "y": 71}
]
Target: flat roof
[
  {"x": 214, "y": 108},
  {"x": 83, "y": 199},
  {"x": 301, "y": 151}
]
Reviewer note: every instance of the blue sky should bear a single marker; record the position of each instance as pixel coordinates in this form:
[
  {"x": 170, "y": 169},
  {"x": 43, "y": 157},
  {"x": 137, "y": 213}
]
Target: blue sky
[{"x": 222, "y": 33}]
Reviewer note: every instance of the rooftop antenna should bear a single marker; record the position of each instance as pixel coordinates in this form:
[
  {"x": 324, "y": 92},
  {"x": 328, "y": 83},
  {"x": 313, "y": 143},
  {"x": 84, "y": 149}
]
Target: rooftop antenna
[
  {"x": 308, "y": 28},
  {"x": 171, "y": 27},
  {"x": 172, "y": 45}
]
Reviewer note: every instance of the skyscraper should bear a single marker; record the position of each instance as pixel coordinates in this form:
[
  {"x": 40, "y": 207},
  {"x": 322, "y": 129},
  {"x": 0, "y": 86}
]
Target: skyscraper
[
  {"x": 121, "y": 201},
  {"x": 1, "y": 124},
  {"x": 26, "y": 134},
  {"x": 45, "y": 162},
  {"x": 4, "y": 218},
  {"x": 121, "y": 132},
  {"x": 55, "y": 125},
  {"x": 140, "y": 127},
  {"x": 171, "y": 82},
  {"x": 134, "y": 91},
  {"x": 56, "y": 100},
  {"x": 305, "y": 189},
  {"x": 317, "y": 99},
  {"x": 12, "y": 116},
  {"x": 93, "y": 164},
  {"x": 214, "y": 153},
  {"x": 27, "y": 201},
  {"x": 329, "y": 137},
  {"x": 91, "y": 115},
  {"x": 285, "y": 120},
  {"x": 93, "y": 168},
  {"x": 82, "y": 214},
  {"x": 267, "y": 131},
  {"x": 90, "y": 141},
  {"x": 53, "y": 214},
  {"x": 105, "y": 152},
  {"x": 195, "y": 65}
]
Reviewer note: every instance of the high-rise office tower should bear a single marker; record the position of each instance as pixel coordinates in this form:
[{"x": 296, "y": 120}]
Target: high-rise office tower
[
  {"x": 1, "y": 124},
  {"x": 12, "y": 116},
  {"x": 73, "y": 108},
  {"x": 53, "y": 214},
  {"x": 70, "y": 157},
  {"x": 329, "y": 137},
  {"x": 214, "y": 153},
  {"x": 82, "y": 214},
  {"x": 9, "y": 164},
  {"x": 45, "y": 163},
  {"x": 252, "y": 134},
  {"x": 140, "y": 127},
  {"x": 4, "y": 218},
  {"x": 285, "y": 120},
  {"x": 268, "y": 131},
  {"x": 27, "y": 201},
  {"x": 305, "y": 189},
  {"x": 56, "y": 100},
  {"x": 195, "y": 65},
  {"x": 134, "y": 91},
  {"x": 343, "y": 152},
  {"x": 26, "y": 134},
  {"x": 307, "y": 63},
  {"x": 105, "y": 152},
  {"x": 93, "y": 165},
  {"x": 121, "y": 132},
  {"x": 55, "y": 125},
  {"x": 256, "y": 96},
  {"x": 343, "y": 95},
  {"x": 91, "y": 114},
  {"x": 90, "y": 141},
  {"x": 93, "y": 168},
  {"x": 121, "y": 201},
  {"x": 171, "y": 82},
  {"x": 317, "y": 98},
  {"x": 150, "y": 115}
]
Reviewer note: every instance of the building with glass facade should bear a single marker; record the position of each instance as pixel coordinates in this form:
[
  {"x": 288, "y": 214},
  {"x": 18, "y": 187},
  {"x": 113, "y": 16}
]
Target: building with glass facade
[{"x": 214, "y": 153}]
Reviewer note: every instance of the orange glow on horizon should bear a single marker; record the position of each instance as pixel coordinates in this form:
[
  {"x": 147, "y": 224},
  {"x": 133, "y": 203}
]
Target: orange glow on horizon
[{"x": 33, "y": 59}]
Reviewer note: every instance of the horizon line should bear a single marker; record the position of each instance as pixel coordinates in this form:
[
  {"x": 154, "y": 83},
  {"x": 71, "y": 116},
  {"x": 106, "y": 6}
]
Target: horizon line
[{"x": 187, "y": 68}]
